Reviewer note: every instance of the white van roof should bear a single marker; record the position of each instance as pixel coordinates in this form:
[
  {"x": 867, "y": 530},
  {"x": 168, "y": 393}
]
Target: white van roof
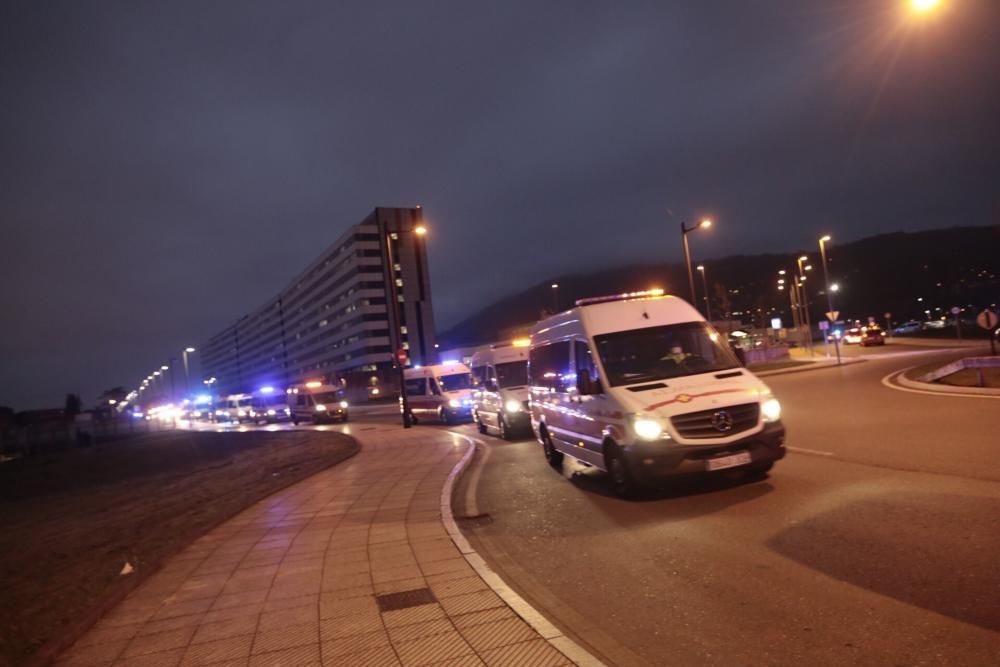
[
  {"x": 436, "y": 370},
  {"x": 617, "y": 314},
  {"x": 501, "y": 353}
]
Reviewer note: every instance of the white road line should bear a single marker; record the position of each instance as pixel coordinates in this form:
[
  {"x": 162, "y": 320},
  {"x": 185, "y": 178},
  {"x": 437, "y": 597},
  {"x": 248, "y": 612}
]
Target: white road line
[
  {"x": 887, "y": 381},
  {"x": 471, "y": 505},
  {"x": 577, "y": 654},
  {"x": 803, "y": 450}
]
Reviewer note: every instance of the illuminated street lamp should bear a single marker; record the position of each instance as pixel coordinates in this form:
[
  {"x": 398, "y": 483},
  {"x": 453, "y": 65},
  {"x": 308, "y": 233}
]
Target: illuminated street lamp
[
  {"x": 924, "y": 6},
  {"x": 803, "y": 298},
  {"x": 555, "y": 297},
  {"x": 704, "y": 283},
  {"x": 187, "y": 379},
  {"x": 704, "y": 224},
  {"x": 830, "y": 289}
]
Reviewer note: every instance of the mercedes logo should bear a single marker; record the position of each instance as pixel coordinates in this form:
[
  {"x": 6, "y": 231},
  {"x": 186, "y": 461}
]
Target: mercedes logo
[{"x": 722, "y": 421}]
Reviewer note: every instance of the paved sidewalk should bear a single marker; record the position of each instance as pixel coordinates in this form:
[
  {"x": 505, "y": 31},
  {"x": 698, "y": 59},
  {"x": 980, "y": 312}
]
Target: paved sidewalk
[{"x": 349, "y": 567}]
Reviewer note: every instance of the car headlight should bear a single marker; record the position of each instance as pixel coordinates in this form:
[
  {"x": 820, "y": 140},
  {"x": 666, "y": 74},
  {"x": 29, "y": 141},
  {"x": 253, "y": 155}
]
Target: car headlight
[
  {"x": 453, "y": 403},
  {"x": 771, "y": 409},
  {"x": 271, "y": 413},
  {"x": 647, "y": 429},
  {"x": 320, "y": 407},
  {"x": 343, "y": 404},
  {"x": 241, "y": 413},
  {"x": 513, "y": 406}
]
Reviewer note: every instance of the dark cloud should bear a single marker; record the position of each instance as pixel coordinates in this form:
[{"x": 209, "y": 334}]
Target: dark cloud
[{"x": 168, "y": 166}]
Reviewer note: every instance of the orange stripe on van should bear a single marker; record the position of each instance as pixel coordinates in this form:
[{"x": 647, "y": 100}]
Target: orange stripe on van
[{"x": 687, "y": 398}]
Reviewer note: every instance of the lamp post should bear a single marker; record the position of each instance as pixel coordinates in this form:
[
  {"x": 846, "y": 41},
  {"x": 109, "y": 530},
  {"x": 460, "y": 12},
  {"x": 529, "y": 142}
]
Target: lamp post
[
  {"x": 555, "y": 297},
  {"x": 187, "y": 376},
  {"x": 793, "y": 296},
  {"x": 829, "y": 293},
  {"x": 704, "y": 284},
  {"x": 804, "y": 299},
  {"x": 704, "y": 224},
  {"x": 397, "y": 335}
]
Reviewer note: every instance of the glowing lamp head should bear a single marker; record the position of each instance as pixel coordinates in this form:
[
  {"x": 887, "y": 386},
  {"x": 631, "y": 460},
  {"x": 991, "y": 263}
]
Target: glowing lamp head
[
  {"x": 825, "y": 239},
  {"x": 420, "y": 230},
  {"x": 705, "y": 224},
  {"x": 924, "y": 6},
  {"x": 164, "y": 368},
  {"x": 701, "y": 267},
  {"x": 189, "y": 349}
]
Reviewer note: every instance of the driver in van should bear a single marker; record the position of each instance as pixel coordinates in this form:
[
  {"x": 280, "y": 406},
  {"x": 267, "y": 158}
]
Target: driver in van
[{"x": 676, "y": 355}]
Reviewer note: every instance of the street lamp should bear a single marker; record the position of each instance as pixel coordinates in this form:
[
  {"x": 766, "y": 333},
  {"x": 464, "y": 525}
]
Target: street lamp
[
  {"x": 924, "y": 6},
  {"x": 704, "y": 283},
  {"x": 830, "y": 289},
  {"x": 397, "y": 335},
  {"x": 704, "y": 224},
  {"x": 804, "y": 299},
  {"x": 187, "y": 378},
  {"x": 555, "y": 297}
]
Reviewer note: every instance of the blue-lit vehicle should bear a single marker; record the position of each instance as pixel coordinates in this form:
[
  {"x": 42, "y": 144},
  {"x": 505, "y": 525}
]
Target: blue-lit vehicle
[
  {"x": 270, "y": 406},
  {"x": 317, "y": 402}
]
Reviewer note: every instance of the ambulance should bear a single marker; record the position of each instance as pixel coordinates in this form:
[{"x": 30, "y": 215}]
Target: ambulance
[
  {"x": 317, "y": 402},
  {"x": 640, "y": 386},
  {"x": 234, "y": 408},
  {"x": 442, "y": 391},
  {"x": 500, "y": 402}
]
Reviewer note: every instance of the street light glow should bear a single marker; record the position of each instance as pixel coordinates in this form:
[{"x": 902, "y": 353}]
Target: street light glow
[
  {"x": 705, "y": 224},
  {"x": 164, "y": 368},
  {"x": 825, "y": 239},
  {"x": 420, "y": 230},
  {"x": 701, "y": 267},
  {"x": 803, "y": 258},
  {"x": 924, "y": 6},
  {"x": 189, "y": 349},
  {"x": 835, "y": 287},
  {"x": 555, "y": 285}
]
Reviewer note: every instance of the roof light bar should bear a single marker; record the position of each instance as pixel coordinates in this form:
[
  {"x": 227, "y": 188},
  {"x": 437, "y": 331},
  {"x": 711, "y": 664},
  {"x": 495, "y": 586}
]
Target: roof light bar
[{"x": 620, "y": 297}]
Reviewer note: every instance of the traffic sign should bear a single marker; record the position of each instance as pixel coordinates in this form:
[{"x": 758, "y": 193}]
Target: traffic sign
[
  {"x": 401, "y": 357},
  {"x": 823, "y": 325},
  {"x": 987, "y": 320},
  {"x": 833, "y": 315},
  {"x": 955, "y": 310}
]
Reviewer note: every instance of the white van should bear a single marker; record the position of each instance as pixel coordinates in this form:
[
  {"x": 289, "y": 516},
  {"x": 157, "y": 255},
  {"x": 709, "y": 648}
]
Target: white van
[
  {"x": 317, "y": 402},
  {"x": 234, "y": 408},
  {"x": 640, "y": 385},
  {"x": 500, "y": 373},
  {"x": 442, "y": 391}
]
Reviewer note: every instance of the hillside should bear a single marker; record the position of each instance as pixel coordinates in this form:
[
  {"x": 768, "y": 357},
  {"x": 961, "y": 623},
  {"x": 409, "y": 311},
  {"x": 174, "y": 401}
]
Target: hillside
[{"x": 878, "y": 274}]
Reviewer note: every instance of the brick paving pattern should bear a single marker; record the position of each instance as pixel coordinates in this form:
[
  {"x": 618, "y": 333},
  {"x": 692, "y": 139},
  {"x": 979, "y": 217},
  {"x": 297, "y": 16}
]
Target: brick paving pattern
[{"x": 297, "y": 579}]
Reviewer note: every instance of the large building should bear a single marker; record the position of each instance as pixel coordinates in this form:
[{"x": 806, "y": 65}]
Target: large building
[{"x": 335, "y": 321}]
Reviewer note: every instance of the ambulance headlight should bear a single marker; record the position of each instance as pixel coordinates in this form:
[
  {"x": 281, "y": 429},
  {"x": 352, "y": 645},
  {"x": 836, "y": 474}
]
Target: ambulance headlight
[
  {"x": 647, "y": 429},
  {"x": 271, "y": 413},
  {"x": 513, "y": 406},
  {"x": 320, "y": 407},
  {"x": 454, "y": 403},
  {"x": 771, "y": 410},
  {"x": 241, "y": 413},
  {"x": 343, "y": 404}
]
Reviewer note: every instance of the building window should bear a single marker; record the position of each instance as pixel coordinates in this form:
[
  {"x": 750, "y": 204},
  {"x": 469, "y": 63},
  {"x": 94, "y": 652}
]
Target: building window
[
  {"x": 403, "y": 330},
  {"x": 399, "y": 282}
]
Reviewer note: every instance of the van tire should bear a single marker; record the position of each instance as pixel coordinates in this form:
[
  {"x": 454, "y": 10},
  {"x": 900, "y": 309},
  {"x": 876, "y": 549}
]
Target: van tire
[
  {"x": 295, "y": 421},
  {"x": 502, "y": 427},
  {"x": 445, "y": 417},
  {"x": 480, "y": 424},
  {"x": 622, "y": 481},
  {"x": 552, "y": 455},
  {"x": 413, "y": 419}
]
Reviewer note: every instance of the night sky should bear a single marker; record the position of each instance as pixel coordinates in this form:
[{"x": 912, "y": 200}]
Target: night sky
[{"x": 167, "y": 167}]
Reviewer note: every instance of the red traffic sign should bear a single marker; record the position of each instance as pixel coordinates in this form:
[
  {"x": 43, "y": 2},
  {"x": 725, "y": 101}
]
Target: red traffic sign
[
  {"x": 401, "y": 357},
  {"x": 987, "y": 320}
]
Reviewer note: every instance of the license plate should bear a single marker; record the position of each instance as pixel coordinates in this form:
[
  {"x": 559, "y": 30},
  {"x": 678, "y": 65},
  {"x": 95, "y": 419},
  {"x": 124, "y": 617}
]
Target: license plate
[{"x": 731, "y": 461}]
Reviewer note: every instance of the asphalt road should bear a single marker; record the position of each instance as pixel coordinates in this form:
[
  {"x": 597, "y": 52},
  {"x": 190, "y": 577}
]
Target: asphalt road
[{"x": 876, "y": 541}]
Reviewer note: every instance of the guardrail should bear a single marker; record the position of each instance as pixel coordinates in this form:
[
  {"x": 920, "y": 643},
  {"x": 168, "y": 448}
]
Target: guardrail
[{"x": 978, "y": 363}]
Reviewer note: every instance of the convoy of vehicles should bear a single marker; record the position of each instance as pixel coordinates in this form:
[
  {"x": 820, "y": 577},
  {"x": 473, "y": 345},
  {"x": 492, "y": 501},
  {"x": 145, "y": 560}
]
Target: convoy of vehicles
[
  {"x": 317, "y": 403},
  {"x": 500, "y": 374},
  {"x": 442, "y": 392},
  {"x": 640, "y": 386},
  {"x": 270, "y": 406}
]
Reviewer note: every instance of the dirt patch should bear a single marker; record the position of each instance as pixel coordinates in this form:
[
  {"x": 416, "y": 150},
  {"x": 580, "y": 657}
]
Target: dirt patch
[{"x": 70, "y": 521}]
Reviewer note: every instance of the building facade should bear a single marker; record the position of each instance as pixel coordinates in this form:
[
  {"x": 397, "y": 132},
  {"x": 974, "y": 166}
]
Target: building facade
[{"x": 335, "y": 322}]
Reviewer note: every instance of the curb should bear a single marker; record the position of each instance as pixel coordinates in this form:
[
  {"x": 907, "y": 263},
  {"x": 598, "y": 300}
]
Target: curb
[
  {"x": 813, "y": 366},
  {"x": 929, "y": 387},
  {"x": 560, "y": 642}
]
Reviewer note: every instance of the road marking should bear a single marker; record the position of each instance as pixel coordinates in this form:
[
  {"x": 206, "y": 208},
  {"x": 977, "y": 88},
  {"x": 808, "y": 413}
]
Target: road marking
[
  {"x": 887, "y": 381},
  {"x": 803, "y": 450},
  {"x": 471, "y": 492},
  {"x": 577, "y": 654}
]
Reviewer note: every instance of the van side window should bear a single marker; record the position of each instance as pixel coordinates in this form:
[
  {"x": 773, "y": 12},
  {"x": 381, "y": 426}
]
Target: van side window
[
  {"x": 434, "y": 387},
  {"x": 479, "y": 374},
  {"x": 416, "y": 387},
  {"x": 548, "y": 366},
  {"x": 585, "y": 361}
]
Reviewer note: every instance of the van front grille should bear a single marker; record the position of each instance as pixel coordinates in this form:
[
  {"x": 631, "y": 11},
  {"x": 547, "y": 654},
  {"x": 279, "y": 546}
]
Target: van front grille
[{"x": 717, "y": 422}]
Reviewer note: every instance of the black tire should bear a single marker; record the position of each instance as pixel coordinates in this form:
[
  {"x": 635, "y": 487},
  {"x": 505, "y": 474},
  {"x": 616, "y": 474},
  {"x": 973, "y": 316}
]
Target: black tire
[
  {"x": 295, "y": 421},
  {"x": 344, "y": 419},
  {"x": 621, "y": 479},
  {"x": 445, "y": 416},
  {"x": 502, "y": 427},
  {"x": 552, "y": 455},
  {"x": 480, "y": 424}
]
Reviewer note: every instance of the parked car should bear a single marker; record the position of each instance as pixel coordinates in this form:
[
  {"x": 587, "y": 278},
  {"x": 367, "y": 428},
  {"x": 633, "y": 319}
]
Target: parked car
[
  {"x": 640, "y": 386},
  {"x": 906, "y": 328},
  {"x": 872, "y": 335}
]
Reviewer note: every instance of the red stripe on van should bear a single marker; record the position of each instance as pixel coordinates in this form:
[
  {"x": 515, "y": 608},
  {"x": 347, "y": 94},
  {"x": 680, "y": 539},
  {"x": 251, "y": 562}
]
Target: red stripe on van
[{"x": 686, "y": 398}]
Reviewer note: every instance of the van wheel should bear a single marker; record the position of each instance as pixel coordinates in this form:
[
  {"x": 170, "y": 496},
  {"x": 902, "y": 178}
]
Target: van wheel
[
  {"x": 480, "y": 424},
  {"x": 445, "y": 417},
  {"x": 552, "y": 455},
  {"x": 503, "y": 428},
  {"x": 622, "y": 481},
  {"x": 413, "y": 419},
  {"x": 344, "y": 418},
  {"x": 295, "y": 421}
]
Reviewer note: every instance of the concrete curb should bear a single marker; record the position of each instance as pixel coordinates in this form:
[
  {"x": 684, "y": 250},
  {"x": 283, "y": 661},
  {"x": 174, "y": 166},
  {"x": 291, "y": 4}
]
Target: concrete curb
[
  {"x": 813, "y": 366},
  {"x": 944, "y": 389},
  {"x": 560, "y": 642}
]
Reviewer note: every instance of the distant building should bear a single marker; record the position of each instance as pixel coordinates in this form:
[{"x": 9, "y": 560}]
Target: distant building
[{"x": 334, "y": 321}]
